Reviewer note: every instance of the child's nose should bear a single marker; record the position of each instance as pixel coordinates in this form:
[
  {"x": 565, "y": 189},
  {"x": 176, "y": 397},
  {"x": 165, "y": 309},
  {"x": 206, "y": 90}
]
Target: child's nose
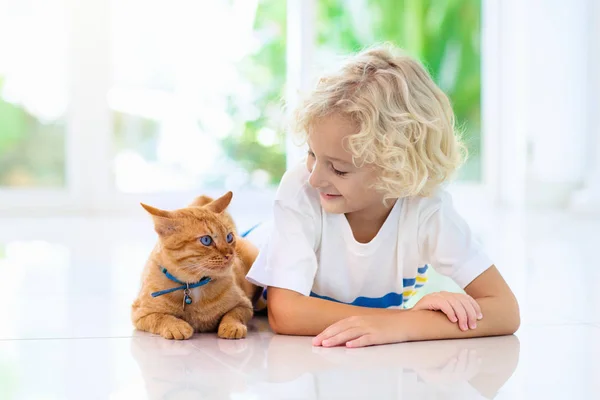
[{"x": 316, "y": 178}]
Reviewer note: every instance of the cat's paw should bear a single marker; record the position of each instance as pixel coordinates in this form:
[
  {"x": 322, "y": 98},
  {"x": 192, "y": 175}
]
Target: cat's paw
[
  {"x": 178, "y": 330},
  {"x": 232, "y": 331}
]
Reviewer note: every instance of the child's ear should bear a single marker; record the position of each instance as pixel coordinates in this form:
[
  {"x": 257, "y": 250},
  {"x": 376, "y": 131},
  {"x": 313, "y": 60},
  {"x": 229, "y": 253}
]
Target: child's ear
[
  {"x": 164, "y": 221},
  {"x": 220, "y": 204}
]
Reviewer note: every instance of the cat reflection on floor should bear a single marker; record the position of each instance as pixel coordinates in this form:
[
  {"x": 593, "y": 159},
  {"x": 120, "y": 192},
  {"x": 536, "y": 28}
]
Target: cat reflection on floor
[{"x": 268, "y": 366}]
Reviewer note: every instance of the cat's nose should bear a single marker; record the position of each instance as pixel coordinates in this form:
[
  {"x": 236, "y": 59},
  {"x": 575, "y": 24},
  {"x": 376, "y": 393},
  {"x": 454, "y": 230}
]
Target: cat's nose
[{"x": 228, "y": 256}]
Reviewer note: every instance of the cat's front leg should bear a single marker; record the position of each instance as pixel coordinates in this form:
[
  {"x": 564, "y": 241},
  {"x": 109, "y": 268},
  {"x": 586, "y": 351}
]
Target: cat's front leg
[
  {"x": 165, "y": 325},
  {"x": 234, "y": 323}
]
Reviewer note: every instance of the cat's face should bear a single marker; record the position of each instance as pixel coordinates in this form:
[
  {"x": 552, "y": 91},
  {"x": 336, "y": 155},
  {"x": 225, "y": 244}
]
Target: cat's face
[{"x": 196, "y": 241}]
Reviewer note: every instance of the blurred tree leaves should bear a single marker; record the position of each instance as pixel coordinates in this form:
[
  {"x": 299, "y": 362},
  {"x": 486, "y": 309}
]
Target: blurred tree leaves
[
  {"x": 443, "y": 34},
  {"x": 32, "y": 153},
  {"x": 266, "y": 71}
]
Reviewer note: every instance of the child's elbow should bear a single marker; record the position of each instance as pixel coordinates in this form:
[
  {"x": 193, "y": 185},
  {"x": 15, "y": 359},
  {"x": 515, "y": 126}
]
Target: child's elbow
[
  {"x": 280, "y": 321},
  {"x": 279, "y": 309},
  {"x": 513, "y": 320},
  {"x": 276, "y": 324},
  {"x": 516, "y": 321}
]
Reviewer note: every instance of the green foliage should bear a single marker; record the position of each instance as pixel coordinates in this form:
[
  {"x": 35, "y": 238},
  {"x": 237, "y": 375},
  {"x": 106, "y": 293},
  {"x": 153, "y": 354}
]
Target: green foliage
[
  {"x": 135, "y": 132},
  {"x": 266, "y": 71},
  {"x": 32, "y": 153},
  {"x": 443, "y": 34},
  {"x": 11, "y": 123}
]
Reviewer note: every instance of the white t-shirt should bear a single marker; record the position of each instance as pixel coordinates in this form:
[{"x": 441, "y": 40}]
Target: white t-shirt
[{"x": 314, "y": 253}]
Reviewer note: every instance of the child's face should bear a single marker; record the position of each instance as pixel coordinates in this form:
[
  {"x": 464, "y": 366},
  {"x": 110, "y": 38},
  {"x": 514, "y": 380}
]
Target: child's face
[{"x": 343, "y": 188}]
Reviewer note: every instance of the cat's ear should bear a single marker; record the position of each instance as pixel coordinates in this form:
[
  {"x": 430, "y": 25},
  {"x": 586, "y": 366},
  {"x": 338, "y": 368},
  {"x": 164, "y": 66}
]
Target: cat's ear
[
  {"x": 164, "y": 221},
  {"x": 156, "y": 211},
  {"x": 220, "y": 204},
  {"x": 201, "y": 201}
]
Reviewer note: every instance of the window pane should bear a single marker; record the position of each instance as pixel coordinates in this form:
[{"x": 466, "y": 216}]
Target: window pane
[
  {"x": 33, "y": 93},
  {"x": 197, "y": 92},
  {"x": 444, "y": 35}
]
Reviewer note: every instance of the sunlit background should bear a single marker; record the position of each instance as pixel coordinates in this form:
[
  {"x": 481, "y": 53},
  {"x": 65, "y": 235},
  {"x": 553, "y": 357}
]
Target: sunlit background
[
  {"x": 150, "y": 97},
  {"x": 106, "y": 104},
  {"x": 112, "y": 102}
]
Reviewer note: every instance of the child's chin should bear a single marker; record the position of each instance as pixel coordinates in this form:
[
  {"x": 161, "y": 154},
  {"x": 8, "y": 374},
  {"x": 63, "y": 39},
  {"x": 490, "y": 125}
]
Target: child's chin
[{"x": 333, "y": 208}]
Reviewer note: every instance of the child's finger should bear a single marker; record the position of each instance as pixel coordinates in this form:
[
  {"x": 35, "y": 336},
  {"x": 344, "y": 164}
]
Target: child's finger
[
  {"x": 445, "y": 307},
  {"x": 470, "y": 310},
  {"x": 333, "y": 330},
  {"x": 461, "y": 314},
  {"x": 326, "y": 334},
  {"x": 318, "y": 340},
  {"x": 363, "y": 341},
  {"x": 343, "y": 337},
  {"x": 477, "y": 308}
]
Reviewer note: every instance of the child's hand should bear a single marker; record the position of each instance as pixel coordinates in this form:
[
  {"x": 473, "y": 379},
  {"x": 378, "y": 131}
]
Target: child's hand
[
  {"x": 360, "y": 332},
  {"x": 458, "y": 307}
]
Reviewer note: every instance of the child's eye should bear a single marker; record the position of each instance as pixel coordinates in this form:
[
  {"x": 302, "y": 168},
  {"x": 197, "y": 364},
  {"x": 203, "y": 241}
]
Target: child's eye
[
  {"x": 310, "y": 153},
  {"x": 337, "y": 172}
]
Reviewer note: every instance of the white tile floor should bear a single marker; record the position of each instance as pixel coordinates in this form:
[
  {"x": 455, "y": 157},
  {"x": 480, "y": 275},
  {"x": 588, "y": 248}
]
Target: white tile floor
[{"x": 67, "y": 283}]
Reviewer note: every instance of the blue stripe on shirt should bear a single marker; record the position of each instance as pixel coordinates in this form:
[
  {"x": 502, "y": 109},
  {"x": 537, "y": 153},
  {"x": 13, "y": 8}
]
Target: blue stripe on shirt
[
  {"x": 389, "y": 300},
  {"x": 408, "y": 281}
]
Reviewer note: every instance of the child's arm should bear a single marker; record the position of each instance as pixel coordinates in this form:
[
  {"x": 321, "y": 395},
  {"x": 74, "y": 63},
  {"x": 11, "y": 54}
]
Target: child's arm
[
  {"x": 291, "y": 313},
  {"x": 498, "y": 305}
]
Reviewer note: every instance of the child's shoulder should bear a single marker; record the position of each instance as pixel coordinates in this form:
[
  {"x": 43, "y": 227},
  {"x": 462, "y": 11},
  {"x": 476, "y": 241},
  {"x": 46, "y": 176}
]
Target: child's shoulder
[{"x": 424, "y": 207}]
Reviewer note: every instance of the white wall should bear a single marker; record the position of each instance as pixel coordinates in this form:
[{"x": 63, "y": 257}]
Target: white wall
[
  {"x": 587, "y": 200},
  {"x": 556, "y": 38},
  {"x": 537, "y": 100}
]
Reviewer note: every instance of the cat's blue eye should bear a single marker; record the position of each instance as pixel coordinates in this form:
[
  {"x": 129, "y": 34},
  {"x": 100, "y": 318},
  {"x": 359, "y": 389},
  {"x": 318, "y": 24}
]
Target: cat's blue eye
[
  {"x": 229, "y": 237},
  {"x": 206, "y": 240}
]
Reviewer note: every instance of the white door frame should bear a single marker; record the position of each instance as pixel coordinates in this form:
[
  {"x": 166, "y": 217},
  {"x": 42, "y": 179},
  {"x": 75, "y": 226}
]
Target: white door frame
[{"x": 504, "y": 136}]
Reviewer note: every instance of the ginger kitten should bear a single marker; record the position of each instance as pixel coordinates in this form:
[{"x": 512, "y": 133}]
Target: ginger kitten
[{"x": 194, "y": 279}]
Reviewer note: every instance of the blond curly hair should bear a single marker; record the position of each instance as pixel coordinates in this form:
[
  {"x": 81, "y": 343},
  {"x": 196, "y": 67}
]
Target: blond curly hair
[{"x": 406, "y": 123}]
